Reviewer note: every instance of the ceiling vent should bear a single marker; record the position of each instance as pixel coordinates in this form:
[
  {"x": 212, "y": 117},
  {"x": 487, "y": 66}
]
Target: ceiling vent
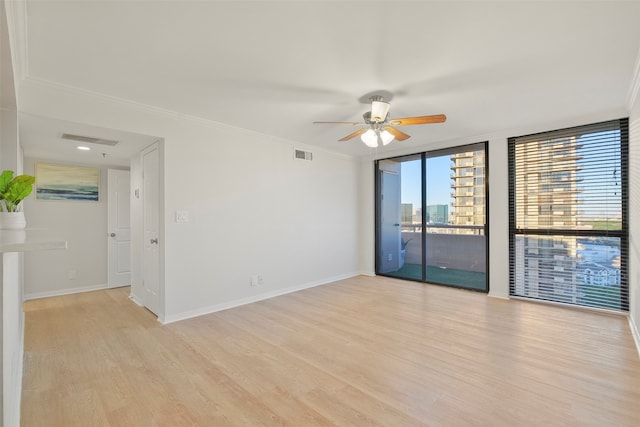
[
  {"x": 89, "y": 139},
  {"x": 303, "y": 155}
]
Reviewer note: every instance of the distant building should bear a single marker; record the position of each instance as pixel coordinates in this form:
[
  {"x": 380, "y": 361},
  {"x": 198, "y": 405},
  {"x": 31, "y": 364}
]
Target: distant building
[
  {"x": 437, "y": 214},
  {"x": 594, "y": 274},
  {"x": 406, "y": 210}
]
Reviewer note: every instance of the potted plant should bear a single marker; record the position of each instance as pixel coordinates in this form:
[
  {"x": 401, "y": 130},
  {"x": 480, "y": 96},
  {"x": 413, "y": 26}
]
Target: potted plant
[{"x": 13, "y": 191}]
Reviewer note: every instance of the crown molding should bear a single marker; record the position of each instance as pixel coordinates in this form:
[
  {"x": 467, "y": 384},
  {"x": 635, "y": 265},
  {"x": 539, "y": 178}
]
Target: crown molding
[
  {"x": 145, "y": 108},
  {"x": 634, "y": 88},
  {"x": 17, "y": 26}
]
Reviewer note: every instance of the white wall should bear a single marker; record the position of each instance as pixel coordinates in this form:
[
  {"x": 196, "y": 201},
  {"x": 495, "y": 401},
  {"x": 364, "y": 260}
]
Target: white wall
[
  {"x": 366, "y": 209},
  {"x": 11, "y": 264},
  {"x": 136, "y": 229},
  {"x": 84, "y": 226},
  {"x": 634, "y": 217},
  {"x": 11, "y": 279},
  {"x": 498, "y": 181},
  {"x": 12, "y": 335},
  {"x": 253, "y": 208}
]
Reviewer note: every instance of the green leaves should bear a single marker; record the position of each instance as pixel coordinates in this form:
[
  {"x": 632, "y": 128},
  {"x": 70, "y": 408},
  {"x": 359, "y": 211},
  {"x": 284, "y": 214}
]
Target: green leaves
[
  {"x": 5, "y": 179},
  {"x": 14, "y": 190}
]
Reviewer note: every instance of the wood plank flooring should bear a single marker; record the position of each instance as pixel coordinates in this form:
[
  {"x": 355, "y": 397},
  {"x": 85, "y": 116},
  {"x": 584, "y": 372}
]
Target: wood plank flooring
[{"x": 368, "y": 351}]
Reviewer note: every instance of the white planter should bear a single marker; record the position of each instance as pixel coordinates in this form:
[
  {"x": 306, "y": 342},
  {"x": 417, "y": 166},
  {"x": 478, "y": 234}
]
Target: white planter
[{"x": 12, "y": 220}]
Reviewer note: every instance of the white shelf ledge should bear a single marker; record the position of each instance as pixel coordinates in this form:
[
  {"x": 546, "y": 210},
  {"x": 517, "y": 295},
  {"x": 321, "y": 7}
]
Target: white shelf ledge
[{"x": 30, "y": 240}]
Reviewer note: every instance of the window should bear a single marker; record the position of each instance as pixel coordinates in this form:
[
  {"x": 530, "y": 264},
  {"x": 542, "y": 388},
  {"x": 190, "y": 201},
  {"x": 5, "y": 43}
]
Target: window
[
  {"x": 568, "y": 232},
  {"x": 448, "y": 244}
]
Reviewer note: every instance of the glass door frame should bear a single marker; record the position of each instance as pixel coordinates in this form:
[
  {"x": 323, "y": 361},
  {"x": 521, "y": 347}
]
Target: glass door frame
[{"x": 424, "y": 156}]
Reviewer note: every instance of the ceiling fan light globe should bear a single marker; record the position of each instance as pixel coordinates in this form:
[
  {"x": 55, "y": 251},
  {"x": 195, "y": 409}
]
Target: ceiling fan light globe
[
  {"x": 379, "y": 111},
  {"x": 370, "y": 138},
  {"x": 386, "y": 137}
]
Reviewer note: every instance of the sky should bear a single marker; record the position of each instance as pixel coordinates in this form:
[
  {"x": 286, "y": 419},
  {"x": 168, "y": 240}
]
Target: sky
[{"x": 438, "y": 181}]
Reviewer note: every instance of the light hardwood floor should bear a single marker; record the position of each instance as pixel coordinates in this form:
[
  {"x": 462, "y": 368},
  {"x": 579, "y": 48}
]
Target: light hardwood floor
[{"x": 364, "y": 351}]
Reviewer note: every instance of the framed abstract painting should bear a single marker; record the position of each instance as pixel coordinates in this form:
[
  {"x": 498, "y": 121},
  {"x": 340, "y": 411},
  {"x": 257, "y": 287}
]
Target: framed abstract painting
[{"x": 65, "y": 182}]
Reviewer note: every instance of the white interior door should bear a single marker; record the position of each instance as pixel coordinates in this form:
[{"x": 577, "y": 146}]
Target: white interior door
[
  {"x": 151, "y": 226},
  {"x": 119, "y": 224}
]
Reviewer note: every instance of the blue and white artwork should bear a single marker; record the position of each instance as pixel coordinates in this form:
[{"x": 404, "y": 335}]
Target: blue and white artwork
[{"x": 64, "y": 182}]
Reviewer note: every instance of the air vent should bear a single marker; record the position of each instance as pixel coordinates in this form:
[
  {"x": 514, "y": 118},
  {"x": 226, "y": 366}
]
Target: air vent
[
  {"x": 89, "y": 139},
  {"x": 303, "y": 155}
]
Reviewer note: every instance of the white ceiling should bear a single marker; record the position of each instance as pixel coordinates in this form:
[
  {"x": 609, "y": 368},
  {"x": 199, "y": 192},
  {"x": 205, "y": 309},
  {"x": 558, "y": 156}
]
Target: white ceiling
[
  {"x": 275, "y": 67},
  {"x": 41, "y": 139}
]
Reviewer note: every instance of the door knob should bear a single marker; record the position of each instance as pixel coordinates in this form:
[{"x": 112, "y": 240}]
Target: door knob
[
  {"x": 112, "y": 234},
  {"x": 154, "y": 241}
]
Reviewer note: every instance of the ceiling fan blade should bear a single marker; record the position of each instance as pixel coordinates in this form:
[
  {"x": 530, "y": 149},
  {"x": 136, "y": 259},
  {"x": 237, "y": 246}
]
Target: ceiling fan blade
[
  {"x": 353, "y": 135},
  {"x": 420, "y": 120},
  {"x": 398, "y": 134},
  {"x": 338, "y": 123}
]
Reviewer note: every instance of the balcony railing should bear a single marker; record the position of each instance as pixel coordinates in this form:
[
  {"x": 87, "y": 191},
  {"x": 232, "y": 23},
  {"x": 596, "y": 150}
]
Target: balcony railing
[{"x": 444, "y": 228}]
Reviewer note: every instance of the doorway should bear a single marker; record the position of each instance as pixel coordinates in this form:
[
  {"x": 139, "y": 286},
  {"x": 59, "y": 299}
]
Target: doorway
[
  {"x": 151, "y": 228},
  {"x": 119, "y": 228}
]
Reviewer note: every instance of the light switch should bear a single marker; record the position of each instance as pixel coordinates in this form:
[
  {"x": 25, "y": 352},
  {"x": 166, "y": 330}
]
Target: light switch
[{"x": 182, "y": 216}]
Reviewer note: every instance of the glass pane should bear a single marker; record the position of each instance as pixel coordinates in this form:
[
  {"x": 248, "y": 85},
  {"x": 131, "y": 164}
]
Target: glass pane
[
  {"x": 569, "y": 182},
  {"x": 455, "y": 240},
  {"x": 569, "y": 269},
  {"x": 400, "y": 252},
  {"x": 599, "y": 174},
  {"x": 449, "y": 222}
]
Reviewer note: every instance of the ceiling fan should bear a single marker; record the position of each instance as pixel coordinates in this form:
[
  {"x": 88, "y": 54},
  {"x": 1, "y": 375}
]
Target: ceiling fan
[{"x": 378, "y": 128}]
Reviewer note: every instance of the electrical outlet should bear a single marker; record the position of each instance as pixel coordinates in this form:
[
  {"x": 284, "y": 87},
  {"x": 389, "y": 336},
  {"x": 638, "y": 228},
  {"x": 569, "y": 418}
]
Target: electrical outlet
[
  {"x": 260, "y": 280},
  {"x": 390, "y": 257},
  {"x": 73, "y": 274},
  {"x": 255, "y": 280}
]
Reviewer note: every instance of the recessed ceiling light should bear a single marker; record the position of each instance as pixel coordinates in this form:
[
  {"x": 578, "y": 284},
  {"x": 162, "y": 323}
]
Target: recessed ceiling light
[{"x": 83, "y": 148}]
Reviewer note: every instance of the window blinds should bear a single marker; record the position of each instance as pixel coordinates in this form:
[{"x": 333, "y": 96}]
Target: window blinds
[{"x": 568, "y": 220}]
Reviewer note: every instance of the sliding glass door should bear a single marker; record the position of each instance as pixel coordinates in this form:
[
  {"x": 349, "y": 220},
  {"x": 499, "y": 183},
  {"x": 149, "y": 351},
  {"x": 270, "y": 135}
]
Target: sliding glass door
[{"x": 431, "y": 217}]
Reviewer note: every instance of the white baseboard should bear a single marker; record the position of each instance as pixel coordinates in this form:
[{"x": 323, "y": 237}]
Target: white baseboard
[
  {"x": 367, "y": 273},
  {"x": 59, "y": 292},
  {"x": 248, "y": 300},
  {"x": 136, "y": 300},
  {"x": 499, "y": 296},
  {"x": 635, "y": 332}
]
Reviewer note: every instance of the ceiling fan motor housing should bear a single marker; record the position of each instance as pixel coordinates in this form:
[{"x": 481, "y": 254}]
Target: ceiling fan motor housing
[
  {"x": 379, "y": 109},
  {"x": 367, "y": 119}
]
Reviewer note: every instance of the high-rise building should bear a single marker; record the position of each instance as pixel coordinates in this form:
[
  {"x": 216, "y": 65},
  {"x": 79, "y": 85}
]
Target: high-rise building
[
  {"x": 546, "y": 197},
  {"x": 467, "y": 188},
  {"x": 548, "y": 190}
]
